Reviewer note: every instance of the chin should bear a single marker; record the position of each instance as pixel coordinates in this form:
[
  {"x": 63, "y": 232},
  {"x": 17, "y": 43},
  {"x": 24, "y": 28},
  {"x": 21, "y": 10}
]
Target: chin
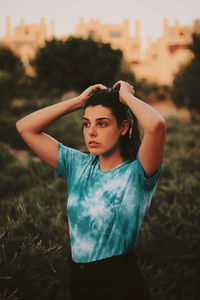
[
  {"x": 94, "y": 152},
  {"x": 99, "y": 152}
]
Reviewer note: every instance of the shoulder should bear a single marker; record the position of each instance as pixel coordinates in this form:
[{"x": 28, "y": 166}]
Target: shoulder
[
  {"x": 70, "y": 159},
  {"x": 68, "y": 153},
  {"x": 139, "y": 177}
]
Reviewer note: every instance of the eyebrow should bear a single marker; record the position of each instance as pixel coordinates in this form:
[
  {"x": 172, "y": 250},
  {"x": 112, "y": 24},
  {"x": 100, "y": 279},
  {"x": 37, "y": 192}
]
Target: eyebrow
[{"x": 99, "y": 119}]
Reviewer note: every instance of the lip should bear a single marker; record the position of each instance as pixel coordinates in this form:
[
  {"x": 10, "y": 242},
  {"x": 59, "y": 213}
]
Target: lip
[{"x": 93, "y": 144}]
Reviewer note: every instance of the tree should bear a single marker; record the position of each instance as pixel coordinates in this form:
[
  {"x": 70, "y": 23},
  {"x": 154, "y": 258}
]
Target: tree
[
  {"x": 11, "y": 74},
  {"x": 186, "y": 87},
  {"x": 75, "y": 64},
  {"x": 11, "y": 63}
]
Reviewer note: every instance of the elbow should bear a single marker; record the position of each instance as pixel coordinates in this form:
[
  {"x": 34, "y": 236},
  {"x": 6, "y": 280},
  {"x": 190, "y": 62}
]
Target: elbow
[
  {"x": 159, "y": 125},
  {"x": 24, "y": 129},
  {"x": 20, "y": 128}
]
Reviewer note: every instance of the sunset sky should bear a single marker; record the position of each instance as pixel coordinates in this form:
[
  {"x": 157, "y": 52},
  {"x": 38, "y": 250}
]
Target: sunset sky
[{"x": 67, "y": 13}]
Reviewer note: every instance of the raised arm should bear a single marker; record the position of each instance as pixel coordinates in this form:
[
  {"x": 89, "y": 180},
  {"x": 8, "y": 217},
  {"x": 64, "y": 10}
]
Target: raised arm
[
  {"x": 151, "y": 151},
  {"x": 30, "y": 127}
]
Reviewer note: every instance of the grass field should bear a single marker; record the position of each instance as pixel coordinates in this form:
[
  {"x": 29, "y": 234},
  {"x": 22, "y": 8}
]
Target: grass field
[{"x": 34, "y": 244}]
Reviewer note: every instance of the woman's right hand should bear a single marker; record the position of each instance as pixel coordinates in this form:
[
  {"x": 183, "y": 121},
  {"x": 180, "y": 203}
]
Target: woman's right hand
[{"x": 85, "y": 94}]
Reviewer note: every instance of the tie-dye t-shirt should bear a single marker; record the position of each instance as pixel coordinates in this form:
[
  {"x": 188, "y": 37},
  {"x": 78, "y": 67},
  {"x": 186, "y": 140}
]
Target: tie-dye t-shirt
[{"x": 105, "y": 208}]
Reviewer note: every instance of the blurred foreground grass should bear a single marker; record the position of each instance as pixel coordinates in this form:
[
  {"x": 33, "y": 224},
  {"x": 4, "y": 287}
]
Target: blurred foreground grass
[{"x": 34, "y": 243}]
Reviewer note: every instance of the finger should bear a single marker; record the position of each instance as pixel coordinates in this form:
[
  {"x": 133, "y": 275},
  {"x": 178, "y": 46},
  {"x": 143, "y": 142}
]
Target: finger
[
  {"x": 117, "y": 84},
  {"x": 101, "y": 86},
  {"x": 96, "y": 87}
]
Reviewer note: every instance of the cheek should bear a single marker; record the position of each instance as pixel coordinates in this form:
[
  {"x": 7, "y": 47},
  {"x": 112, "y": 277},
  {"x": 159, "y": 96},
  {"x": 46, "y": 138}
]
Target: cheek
[
  {"x": 84, "y": 132},
  {"x": 112, "y": 136}
]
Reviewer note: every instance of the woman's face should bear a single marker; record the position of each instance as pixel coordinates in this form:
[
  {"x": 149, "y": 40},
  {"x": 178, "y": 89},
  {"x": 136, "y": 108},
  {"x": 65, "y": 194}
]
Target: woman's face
[{"x": 101, "y": 131}]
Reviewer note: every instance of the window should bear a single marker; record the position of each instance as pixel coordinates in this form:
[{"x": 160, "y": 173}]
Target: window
[
  {"x": 115, "y": 33},
  {"x": 91, "y": 34},
  {"x": 154, "y": 56},
  {"x": 26, "y": 31}
]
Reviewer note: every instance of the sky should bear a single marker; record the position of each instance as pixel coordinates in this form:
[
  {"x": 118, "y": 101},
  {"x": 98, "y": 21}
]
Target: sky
[{"x": 68, "y": 12}]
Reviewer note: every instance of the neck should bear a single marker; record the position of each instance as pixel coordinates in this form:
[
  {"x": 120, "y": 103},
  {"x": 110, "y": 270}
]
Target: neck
[{"x": 109, "y": 162}]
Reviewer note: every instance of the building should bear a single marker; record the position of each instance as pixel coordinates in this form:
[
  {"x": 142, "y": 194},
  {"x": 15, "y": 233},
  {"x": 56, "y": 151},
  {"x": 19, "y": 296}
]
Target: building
[
  {"x": 161, "y": 61},
  {"x": 115, "y": 34},
  {"x": 25, "y": 39},
  {"x": 165, "y": 55}
]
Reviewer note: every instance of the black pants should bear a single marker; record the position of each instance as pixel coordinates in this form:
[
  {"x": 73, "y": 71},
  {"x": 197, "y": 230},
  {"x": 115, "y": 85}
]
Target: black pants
[{"x": 117, "y": 278}]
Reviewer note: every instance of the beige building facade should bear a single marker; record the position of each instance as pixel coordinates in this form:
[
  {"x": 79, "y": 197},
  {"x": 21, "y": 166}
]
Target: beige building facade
[
  {"x": 115, "y": 34},
  {"x": 162, "y": 58},
  {"x": 168, "y": 53},
  {"x": 25, "y": 39}
]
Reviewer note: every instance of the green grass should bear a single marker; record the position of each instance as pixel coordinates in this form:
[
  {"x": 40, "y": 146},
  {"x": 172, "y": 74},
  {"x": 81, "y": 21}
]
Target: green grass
[{"x": 34, "y": 243}]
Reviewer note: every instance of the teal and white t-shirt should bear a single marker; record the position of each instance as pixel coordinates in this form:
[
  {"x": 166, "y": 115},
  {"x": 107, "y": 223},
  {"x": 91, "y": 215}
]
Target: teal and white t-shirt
[{"x": 105, "y": 208}]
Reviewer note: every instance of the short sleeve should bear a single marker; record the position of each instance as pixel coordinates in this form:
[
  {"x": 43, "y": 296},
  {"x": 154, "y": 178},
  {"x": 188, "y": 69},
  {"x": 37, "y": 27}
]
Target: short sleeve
[
  {"x": 71, "y": 162},
  {"x": 148, "y": 183},
  {"x": 66, "y": 159},
  {"x": 63, "y": 160}
]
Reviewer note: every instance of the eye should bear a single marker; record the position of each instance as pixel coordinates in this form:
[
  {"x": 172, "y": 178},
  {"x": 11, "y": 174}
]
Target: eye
[
  {"x": 103, "y": 124},
  {"x": 86, "y": 124}
]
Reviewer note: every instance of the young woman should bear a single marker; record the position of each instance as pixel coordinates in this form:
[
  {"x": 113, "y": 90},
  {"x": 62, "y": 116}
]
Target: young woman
[{"x": 109, "y": 188}]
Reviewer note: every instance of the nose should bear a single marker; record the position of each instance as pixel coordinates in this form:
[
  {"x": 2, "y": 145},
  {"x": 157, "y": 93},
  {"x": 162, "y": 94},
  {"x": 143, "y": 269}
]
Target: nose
[{"x": 93, "y": 131}]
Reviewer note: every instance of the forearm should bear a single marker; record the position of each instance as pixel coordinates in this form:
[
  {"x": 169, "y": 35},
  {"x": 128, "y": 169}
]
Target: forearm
[
  {"x": 146, "y": 115},
  {"x": 36, "y": 121}
]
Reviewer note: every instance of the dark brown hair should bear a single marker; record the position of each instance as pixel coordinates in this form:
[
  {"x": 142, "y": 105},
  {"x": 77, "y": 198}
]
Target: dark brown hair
[{"x": 130, "y": 142}]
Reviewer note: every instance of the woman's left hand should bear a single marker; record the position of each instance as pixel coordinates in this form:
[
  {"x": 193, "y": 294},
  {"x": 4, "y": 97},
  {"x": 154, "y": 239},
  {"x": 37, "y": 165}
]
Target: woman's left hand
[{"x": 124, "y": 89}]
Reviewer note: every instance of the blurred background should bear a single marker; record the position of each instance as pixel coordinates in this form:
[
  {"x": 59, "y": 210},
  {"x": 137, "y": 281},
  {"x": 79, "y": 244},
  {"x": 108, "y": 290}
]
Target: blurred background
[{"x": 53, "y": 50}]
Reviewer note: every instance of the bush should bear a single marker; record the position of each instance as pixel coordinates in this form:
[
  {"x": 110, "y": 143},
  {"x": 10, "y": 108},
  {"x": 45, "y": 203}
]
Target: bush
[
  {"x": 169, "y": 246},
  {"x": 7, "y": 88},
  {"x": 186, "y": 88},
  {"x": 67, "y": 130},
  {"x": 74, "y": 64},
  {"x": 12, "y": 74},
  {"x": 34, "y": 232}
]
